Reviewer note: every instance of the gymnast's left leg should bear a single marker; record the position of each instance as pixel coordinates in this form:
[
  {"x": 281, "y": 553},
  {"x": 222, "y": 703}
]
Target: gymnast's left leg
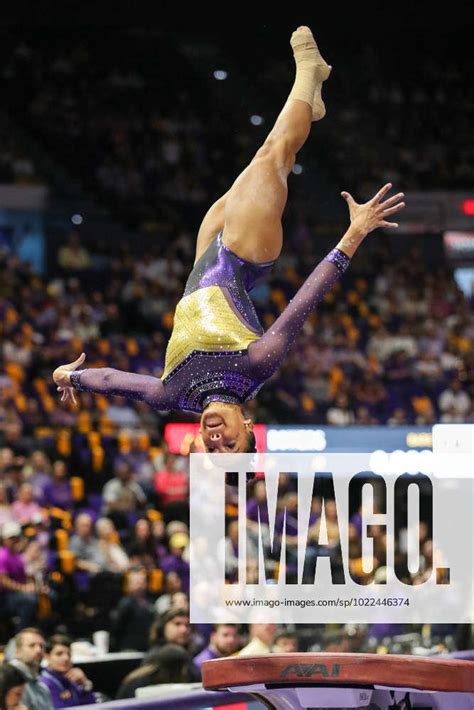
[
  {"x": 256, "y": 200},
  {"x": 251, "y": 210}
]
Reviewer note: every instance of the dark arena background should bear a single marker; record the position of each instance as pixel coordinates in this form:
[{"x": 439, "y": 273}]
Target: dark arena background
[{"x": 120, "y": 125}]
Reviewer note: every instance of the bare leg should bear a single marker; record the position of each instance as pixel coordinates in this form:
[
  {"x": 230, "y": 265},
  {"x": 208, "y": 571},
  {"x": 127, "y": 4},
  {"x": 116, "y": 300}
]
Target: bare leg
[{"x": 250, "y": 212}]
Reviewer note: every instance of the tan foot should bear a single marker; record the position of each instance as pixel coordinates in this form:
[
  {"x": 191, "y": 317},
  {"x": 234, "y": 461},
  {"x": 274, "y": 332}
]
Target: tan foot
[{"x": 307, "y": 54}]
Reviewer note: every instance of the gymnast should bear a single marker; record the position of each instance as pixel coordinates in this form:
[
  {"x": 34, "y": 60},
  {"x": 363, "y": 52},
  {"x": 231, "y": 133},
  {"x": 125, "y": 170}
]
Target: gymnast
[{"x": 218, "y": 356}]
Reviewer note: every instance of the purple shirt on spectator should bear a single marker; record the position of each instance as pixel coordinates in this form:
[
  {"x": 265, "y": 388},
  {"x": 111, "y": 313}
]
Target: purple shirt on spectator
[
  {"x": 58, "y": 494},
  {"x": 12, "y": 565},
  {"x": 252, "y": 512},
  {"x": 206, "y": 654},
  {"x": 172, "y": 563},
  {"x": 65, "y": 694}
]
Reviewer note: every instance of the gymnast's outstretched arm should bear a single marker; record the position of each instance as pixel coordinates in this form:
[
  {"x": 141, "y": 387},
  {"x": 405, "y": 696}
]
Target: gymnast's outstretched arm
[
  {"x": 267, "y": 353},
  {"x": 107, "y": 381}
]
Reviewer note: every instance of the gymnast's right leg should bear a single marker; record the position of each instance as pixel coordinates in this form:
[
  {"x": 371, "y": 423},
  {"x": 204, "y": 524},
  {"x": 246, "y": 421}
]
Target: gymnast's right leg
[{"x": 250, "y": 212}]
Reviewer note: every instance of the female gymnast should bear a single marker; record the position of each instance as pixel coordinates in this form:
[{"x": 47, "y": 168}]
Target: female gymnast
[{"x": 218, "y": 356}]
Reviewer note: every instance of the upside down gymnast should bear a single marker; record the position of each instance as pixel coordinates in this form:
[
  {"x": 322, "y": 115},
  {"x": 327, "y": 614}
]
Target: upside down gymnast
[{"x": 218, "y": 356}]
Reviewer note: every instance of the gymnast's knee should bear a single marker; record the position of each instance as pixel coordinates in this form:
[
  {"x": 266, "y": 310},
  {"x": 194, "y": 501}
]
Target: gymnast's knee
[{"x": 278, "y": 151}]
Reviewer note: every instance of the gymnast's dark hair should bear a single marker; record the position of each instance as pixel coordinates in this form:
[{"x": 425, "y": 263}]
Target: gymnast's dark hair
[{"x": 251, "y": 443}]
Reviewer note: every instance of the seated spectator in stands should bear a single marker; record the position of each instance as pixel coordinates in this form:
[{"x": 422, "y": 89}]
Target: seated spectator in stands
[
  {"x": 340, "y": 414},
  {"x": 16, "y": 349},
  {"x": 122, "y": 414},
  {"x": 398, "y": 418},
  {"x": 141, "y": 548},
  {"x": 73, "y": 256},
  {"x": 454, "y": 402},
  {"x": 57, "y": 493},
  {"x": 116, "y": 559},
  {"x": 25, "y": 508},
  {"x": 169, "y": 664},
  {"x": 364, "y": 418},
  {"x": 85, "y": 546},
  {"x": 36, "y": 561},
  {"x": 224, "y": 642},
  {"x": 12, "y": 687},
  {"x": 29, "y": 653},
  {"x": 159, "y": 538},
  {"x": 174, "y": 562},
  {"x": 68, "y": 686},
  {"x": 285, "y": 642},
  {"x": 261, "y": 640},
  {"x": 133, "y": 617},
  {"x": 172, "y": 586},
  {"x": 257, "y": 512},
  {"x": 7, "y": 458},
  {"x": 18, "y": 597},
  {"x": 171, "y": 482},
  {"x": 179, "y": 600},
  {"x": 230, "y": 550},
  {"x": 38, "y": 471},
  {"x": 173, "y": 627},
  {"x": 122, "y": 496},
  {"x": 5, "y": 506}
]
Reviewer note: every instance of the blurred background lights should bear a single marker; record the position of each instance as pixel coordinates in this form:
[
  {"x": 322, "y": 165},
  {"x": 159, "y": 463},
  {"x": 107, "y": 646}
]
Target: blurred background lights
[{"x": 220, "y": 74}]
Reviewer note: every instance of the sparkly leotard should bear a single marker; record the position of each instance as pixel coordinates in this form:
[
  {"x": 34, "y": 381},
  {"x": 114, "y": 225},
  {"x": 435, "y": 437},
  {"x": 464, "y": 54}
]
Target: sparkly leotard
[{"x": 218, "y": 350}]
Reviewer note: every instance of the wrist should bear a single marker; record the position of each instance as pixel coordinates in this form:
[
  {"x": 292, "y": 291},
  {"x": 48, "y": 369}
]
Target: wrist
[{"x": 351, "y": 240}]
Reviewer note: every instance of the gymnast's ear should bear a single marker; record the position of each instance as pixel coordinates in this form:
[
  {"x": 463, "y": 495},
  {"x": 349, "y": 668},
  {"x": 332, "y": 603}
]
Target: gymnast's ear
[{"x": 248, "y": 424}]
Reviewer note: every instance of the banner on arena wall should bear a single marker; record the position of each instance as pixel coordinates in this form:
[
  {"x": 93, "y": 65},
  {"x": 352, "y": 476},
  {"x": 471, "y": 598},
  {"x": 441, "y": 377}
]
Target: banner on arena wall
[{"x": 351, "y": 544}]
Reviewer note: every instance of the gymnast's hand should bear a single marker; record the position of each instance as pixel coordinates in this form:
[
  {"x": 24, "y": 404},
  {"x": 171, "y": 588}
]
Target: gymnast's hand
[
  {"x": 372, "y": 214},
  {"x": 62, "y": 378}
]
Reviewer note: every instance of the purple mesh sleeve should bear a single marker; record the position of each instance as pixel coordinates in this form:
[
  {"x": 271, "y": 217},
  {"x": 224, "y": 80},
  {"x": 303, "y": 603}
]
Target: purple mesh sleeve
[
  {"x": 267, "y": 354},
  {"x": 108, "y": 381}
]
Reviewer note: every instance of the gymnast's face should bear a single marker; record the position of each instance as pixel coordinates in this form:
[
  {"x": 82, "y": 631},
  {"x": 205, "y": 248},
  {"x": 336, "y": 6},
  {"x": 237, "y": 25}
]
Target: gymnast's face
[{"x": 224, "y": 428}]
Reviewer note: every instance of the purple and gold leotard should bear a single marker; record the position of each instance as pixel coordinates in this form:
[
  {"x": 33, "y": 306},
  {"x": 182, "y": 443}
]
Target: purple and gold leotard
[{"x": 218, "y": 350}]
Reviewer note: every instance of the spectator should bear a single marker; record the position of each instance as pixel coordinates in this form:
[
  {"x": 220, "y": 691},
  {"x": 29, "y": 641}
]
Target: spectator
[
  {"x": 261, "y": 640},
  {"x": 172, "y": 586},
  {"x": 68, "y": 686},
  {"x": 142, "y": 547},
  {"x": 285, "y": 642},
  {"x": 122, "y": 496},
  {"x": 171, "y": 482},
  {"x": 122, "y": 414},
  {"x": 17, "y": 595},
  {"x": 12, "y": 687},
  {"x": 29, "y": 652},
  {"x": 85, "y": 546},
  {"x": 5, "y": 507},
  {"x": 224, "y": 642},
  {"x": 24, "y": 508},
  {"x": 116, "y": 559},
  {"x": 169, "y": 664},
  {"x": 174, "y": 562},
  {"x": 340, "y": 414},
  {"x": 172, "y": 627},
  {"x": 37, "y": 471},
  {"x": 57, "y": 493},
  {"x": 398, "y": 418},
  {"x": 132, "y": 618},
  {"x": 454, "y": 402}
]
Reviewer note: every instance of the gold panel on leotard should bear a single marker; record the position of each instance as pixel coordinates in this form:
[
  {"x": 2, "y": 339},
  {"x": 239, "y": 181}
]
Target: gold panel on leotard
[{"x": 204, "y": 320}]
